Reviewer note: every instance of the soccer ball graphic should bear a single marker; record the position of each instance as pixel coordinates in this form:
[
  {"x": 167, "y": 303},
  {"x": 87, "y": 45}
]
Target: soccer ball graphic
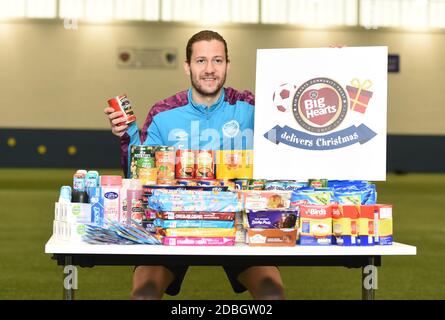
[{"x": 282, "y": 97}]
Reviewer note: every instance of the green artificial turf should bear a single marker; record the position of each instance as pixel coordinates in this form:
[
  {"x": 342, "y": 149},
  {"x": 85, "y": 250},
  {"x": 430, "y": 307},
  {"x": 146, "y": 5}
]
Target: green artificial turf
[{"x": 27, "y": 199}]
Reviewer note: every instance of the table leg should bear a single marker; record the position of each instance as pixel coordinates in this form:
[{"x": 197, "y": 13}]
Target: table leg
[
  {"x": 369, "y": 279},
  {"x": 68, "y": 287}
]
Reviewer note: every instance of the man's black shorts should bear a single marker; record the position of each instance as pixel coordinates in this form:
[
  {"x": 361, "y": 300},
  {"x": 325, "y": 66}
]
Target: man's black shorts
[{"x": 232, "y": 273}]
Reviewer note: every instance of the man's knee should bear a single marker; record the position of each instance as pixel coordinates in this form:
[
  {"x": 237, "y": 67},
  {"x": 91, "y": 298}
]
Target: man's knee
[
  {"x": 270, "y": 290},
  {"x": 149, "y": 291},
  {"x": 263, "y": 282},
  {"x": 150, "y": 282}
]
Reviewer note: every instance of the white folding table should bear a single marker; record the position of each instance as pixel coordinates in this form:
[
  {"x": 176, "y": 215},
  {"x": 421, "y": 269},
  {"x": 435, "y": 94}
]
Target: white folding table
[{"x": 87, "y": 255}]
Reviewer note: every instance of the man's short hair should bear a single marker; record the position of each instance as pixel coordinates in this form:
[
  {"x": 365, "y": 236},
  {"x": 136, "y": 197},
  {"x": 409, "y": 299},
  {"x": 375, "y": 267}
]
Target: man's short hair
[{"x": 206, "y": 35}]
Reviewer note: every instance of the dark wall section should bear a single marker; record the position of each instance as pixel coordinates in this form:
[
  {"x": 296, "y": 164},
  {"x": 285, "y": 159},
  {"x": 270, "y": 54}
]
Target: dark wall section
[
  {"x": 59, "y": 148},
  {"x": 412, "y": 153},
  {"x": 100, "y": 149}
]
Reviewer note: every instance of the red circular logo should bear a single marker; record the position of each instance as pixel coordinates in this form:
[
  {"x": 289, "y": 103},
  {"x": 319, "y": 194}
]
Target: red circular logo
[{"x": 320, "y": 105}]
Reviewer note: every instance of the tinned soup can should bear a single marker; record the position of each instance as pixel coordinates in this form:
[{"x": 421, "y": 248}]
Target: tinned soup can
[
  {"x": 185, "y": 164},
  {"x": 205, "y": 164},
  {"x": 121, "y": 103},
  {"x": 142, "y": 164},
  {"x": 165, "y": 164}
]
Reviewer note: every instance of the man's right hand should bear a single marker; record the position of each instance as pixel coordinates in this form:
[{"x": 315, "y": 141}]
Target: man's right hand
[{"x": 117, "y": 121}]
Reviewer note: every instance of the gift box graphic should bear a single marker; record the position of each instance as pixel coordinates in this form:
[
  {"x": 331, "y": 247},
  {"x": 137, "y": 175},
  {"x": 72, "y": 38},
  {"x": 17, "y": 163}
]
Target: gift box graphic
[{"x": 359, "y": 96}]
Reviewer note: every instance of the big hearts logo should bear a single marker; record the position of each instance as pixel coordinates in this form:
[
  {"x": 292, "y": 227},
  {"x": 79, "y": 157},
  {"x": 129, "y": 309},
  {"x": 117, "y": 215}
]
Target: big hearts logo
[{"x": 320, "y": 105}]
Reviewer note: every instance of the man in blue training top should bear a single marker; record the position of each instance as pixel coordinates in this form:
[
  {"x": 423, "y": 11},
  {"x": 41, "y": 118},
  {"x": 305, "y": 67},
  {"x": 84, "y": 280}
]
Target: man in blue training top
[{"x": 207, "y": 116}]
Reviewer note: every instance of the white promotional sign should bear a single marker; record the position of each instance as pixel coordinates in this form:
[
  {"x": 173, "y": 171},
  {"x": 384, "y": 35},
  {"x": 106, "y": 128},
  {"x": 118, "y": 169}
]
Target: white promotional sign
[{"x": 321, "y": 113}]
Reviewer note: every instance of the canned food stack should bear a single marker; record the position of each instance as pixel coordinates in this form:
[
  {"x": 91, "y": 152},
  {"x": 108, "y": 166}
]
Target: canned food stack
[
  {"x": 195, "y": 165},
  {"x": 195, "y": 218},
  {"x": 143, "y": 164},
  {"x": 164, "y": 165}
]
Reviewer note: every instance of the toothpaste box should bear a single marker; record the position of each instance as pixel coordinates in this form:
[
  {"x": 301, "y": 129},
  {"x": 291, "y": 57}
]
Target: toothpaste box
[
  {"x": 69, "y": 231},
  {"x": 272, "y": 237},
  {"x": 366, "y": 225},
  {"x": 79, "y": 213},
  {"x": 383, "y": 224},
  {"x": 315, "y": 225},
  {"x": 75, "y": 231},
  {"x": 97, "y": 206},
  {"x": 345, "y": 225},
  {"x": 72, "y": 212}
]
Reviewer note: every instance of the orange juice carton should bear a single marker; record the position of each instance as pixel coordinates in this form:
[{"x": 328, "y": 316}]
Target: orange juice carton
[
  {"x": 265, "y": 199},
  {"x": 366, "y": 225},
  {"x": 315, "y": 225},
  {"x": 257, "y": 237},
  {"x": 345, "y": 225},
  {"x": 383, "y": 224}
]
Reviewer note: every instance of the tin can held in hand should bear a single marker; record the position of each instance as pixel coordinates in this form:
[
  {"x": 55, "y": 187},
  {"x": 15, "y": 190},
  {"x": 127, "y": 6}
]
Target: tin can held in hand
[{"x": 121, "y": 103}]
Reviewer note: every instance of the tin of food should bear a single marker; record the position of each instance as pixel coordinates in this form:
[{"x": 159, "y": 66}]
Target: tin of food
[
  {"x": 205, "y": 164},
  {"x": 256, "y": 184},
  {"x": 241, "y": 184},
  {"x": 121, "y": 103},
  {"x": 214, "y": 183},
  {"x": 142, "y": 164},
  {"x": 318, "y": 183},
  {"x": 187, "y": 182},
  {"x": 165, "y": 164},
  {"x": 185, "y": 164}
]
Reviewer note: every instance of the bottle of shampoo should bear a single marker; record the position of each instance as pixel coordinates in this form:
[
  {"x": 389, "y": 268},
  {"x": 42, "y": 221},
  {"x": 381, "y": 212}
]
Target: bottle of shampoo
[
  {"x": 110, "y": 192},
  {"x": 135, "y": 210}
]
